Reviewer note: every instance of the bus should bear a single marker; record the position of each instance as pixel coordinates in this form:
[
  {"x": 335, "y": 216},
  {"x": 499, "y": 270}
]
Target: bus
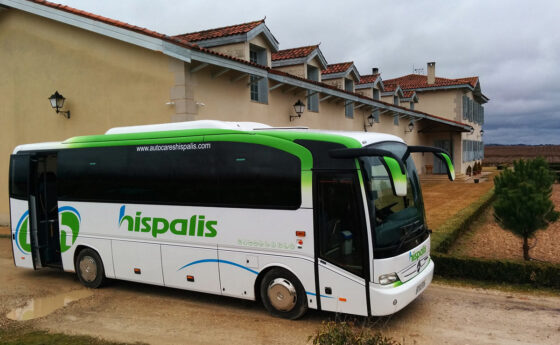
[{"x": 294, "y": 217}]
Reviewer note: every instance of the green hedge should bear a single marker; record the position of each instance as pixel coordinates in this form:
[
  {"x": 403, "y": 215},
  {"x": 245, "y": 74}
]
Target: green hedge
[
  {"x": 444, "y": 236},
  {"x": 501, "y": 271}
]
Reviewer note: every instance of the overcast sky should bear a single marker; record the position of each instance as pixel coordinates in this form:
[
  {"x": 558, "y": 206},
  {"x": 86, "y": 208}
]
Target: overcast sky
[{"x": 513, "y": 46}]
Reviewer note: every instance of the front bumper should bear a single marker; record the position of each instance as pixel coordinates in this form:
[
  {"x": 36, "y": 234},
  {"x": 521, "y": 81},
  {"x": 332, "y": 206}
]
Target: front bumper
[{"x": 386, "y": 300}]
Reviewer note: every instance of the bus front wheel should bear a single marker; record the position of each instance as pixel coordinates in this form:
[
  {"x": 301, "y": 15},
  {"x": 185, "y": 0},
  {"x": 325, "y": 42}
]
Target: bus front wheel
[
  {"x": 89, "y": 268},
  {"x": 283, "y": 295}
]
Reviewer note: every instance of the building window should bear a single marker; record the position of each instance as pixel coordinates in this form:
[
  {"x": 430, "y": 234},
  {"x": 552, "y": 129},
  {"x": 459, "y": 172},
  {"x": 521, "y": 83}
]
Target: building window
[
  {"x": 349, "y": 105},
  {"x": 472, "y": 110},
  {"x": 258, "y": 85},
  {"x": 395, "y": 120},
  {"x": 396, "y": 100},
  {"x": 312, "y": 96},
  {"x": 411, "y": 105},
  {"x": 376, "y": 94},
  {"x": 472, "y": 150}
]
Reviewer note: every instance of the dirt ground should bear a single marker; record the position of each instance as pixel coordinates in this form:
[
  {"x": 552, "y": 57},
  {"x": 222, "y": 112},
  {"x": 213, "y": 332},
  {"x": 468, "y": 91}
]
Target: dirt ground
[
  {"x": 488, "y": 240},
  {"x": 133, "y": 312},
  {"x": 443, "y": 199}
]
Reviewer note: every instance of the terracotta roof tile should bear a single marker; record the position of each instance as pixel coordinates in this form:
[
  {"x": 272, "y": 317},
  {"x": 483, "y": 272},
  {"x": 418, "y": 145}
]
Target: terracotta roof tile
[
  {"x": 293, "y": 53},
  {"x": 370, "y": 78},
  {"x": 337, "y": 67},
  {"x": 225, "y": 31},
  {"x": 417, "y": 81},
  {"x": 389, "y": 87},
  {"x": 408, "y": 94}
]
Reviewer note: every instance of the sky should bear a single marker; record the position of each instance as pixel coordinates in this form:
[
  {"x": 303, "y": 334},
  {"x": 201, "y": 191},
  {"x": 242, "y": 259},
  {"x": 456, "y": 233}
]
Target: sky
[{"x": 513, "y": 46}]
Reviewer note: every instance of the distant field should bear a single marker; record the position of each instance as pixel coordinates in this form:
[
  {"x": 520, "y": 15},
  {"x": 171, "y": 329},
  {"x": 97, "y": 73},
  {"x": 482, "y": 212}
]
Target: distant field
[{"x": 494, "y": 155}]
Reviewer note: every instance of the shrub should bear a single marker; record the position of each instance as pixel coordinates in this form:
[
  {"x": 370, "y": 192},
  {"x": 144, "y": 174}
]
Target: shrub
[
  {"x": 501, "y": 271},
  {"x": 344, "y": 333}
]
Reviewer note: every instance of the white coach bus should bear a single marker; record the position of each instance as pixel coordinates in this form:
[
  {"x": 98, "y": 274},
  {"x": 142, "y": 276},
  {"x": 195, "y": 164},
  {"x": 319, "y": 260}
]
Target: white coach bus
[{"x": 295, "y": 217}]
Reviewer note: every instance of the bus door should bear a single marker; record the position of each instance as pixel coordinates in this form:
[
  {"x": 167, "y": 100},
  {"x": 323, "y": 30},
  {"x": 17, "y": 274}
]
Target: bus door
[
  {"x": 43, "y": 211},
  {"x": 341, "y": 243},
  {"x": 19, "y": 210}
]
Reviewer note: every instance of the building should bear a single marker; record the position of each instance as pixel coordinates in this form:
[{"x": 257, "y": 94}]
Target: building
[
  {"x": 455, "y": 99},
  {"x": 115, "y": 74}
]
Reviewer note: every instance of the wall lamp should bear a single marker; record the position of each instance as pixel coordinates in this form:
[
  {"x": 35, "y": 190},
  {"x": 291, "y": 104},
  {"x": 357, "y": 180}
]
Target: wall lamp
[
  {"x": 410, "y": 127},
  {"x": 299, "y": 106},
  {"x": 57, "y": 102},
  {"x": 481, "y": 132},
  {"x": 370, "y": 120}
]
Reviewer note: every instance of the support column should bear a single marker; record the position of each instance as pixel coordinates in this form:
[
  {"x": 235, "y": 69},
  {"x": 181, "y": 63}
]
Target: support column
[{"x": 182, "y": 93}]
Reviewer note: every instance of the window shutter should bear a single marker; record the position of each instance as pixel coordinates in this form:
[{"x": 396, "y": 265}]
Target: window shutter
[
  {"x": 475, "y": 112},
  {"x": 470, "y": 110},
  {"x": 465, "y": 107}
]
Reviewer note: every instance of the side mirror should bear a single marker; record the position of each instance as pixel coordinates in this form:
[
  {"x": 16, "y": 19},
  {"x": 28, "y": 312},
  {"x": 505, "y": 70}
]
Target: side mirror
[{"x": 439, "y": 153}]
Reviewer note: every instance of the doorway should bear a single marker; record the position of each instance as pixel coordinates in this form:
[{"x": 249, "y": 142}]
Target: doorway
[{"x": 43, "y": 206}]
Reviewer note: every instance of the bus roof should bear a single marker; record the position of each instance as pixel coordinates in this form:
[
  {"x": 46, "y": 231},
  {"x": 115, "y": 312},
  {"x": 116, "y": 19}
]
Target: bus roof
[{"x": 213, "y": 127}]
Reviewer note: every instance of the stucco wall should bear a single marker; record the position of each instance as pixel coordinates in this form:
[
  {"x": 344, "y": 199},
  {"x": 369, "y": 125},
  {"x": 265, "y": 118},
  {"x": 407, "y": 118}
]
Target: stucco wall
[
  {"x": 106, "y": 83},
  {"x": 298, "y": 70},
  {"x": 442, "y": 103},
  {"x": 238, "y": 50}
]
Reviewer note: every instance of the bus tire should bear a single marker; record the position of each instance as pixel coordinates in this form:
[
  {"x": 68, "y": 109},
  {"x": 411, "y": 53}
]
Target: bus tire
[
  {"x": 89, "y": 268},
  {"x": 282, "y": 294}
]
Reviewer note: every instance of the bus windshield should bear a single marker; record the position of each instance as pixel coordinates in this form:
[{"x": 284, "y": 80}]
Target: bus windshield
[{"x": 397, "y": 221}]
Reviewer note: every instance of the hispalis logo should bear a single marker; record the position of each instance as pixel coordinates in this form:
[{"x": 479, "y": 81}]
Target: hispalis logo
[{"x": 196, "y": 225}]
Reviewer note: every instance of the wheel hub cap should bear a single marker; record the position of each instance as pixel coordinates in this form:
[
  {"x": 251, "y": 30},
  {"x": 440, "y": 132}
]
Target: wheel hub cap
[
  {"x": 88, "y": 268},
  {"x": 282, "y": 294}
]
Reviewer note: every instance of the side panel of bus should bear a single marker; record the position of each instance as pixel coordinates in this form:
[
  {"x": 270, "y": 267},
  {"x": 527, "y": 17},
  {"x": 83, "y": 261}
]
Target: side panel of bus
[{"x": 131, "y": 205}]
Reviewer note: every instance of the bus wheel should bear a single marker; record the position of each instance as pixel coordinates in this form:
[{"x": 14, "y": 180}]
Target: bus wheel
[
  {"x": 283, "y": 295},
  {"x": 89, "y": 268}
]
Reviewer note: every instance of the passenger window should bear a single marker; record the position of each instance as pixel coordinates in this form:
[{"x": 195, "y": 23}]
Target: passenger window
[
  {"x": 341, "y": 231},
  {"x": 19, "y": 171}
]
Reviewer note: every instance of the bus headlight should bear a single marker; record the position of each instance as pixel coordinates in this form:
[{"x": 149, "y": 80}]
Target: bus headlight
[{"x": 385, "y": 279}]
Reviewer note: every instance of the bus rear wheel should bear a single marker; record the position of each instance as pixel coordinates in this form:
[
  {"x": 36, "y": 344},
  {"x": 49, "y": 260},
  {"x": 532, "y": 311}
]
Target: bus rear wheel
[
  {"x": 89, "y": 268},
  {"x": 283, "y": 295}
]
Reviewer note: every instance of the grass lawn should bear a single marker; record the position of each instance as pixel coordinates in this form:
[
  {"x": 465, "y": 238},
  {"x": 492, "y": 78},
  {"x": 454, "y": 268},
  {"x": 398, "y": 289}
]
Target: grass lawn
[{"x": 444, "y": 199}]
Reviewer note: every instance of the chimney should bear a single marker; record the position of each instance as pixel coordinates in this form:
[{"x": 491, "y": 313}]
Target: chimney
[
  {"x": 431, "y": 72},
  {"x": 375, "y": 70}
]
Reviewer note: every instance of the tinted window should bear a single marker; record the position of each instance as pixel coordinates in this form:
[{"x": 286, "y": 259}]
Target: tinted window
[
  {"x": 341, "y": 233},
  {"x": 212, "y": 174},
  {"x": 19, "y": 170}
]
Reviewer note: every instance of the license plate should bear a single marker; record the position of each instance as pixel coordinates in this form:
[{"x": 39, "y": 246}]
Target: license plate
[{"x": 420, "y": 287}]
